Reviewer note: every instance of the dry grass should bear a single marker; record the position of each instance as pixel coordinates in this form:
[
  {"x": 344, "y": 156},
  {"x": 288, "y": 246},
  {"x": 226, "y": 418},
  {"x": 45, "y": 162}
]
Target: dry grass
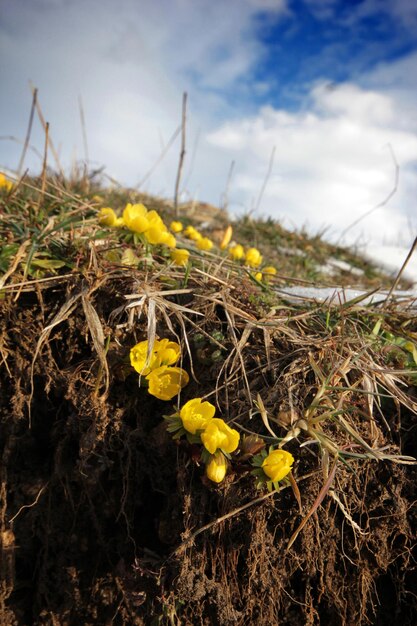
[{"x": 335, "y": 384}]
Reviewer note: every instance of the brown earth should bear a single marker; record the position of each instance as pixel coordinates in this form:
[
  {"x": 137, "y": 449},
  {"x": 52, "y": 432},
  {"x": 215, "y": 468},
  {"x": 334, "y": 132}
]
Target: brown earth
[{"x": 100, "y": 509}]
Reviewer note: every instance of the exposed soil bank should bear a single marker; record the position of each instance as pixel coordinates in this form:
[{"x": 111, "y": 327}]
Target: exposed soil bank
[{"x": 99, "y": 505}]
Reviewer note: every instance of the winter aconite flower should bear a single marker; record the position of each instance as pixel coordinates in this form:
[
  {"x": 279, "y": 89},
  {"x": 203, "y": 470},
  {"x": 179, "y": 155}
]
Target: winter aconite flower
[
  {"x": 164, "y": 352},
  {"x": 192, "y": 233},
  {"x": 157, "y": 231},
  {"x": 268, "y": 272},
  {"x": 253, "y": 257},
  {"x": 219, "y": 436},
  {"x": 5, "y": 183},
  {"x": 237, "y": 252},
  {"x": 166, "y": 382},
  {"x": 107, "y": 217},
  {"x": 216, "y": 468},
  {"x": 169, "y": 240},
  {"x": 196, "y": 414},
  {"x": 176, "y": 227},
  {"x": 180, "y": 256},
  {"x": 204, "y": 244},
  {"x": 135, "y": 217},
  {"x": 140, "y": 360},
  {"x": 277, "y": 464}
]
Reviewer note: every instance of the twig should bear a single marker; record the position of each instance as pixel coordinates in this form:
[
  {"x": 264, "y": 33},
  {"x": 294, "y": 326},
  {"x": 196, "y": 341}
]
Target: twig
[
  {"x": 381, "y": 204},
  {"x": 182, "y": 153},
  {"x": 28, "y": 133},
  {"x": 84, "y": 130},
  {"x": 268, "y": 174},
  {"x": 397, "y": 278},
  {"x": 45, "y": 159},
  {"x": 51, "y": 145}
]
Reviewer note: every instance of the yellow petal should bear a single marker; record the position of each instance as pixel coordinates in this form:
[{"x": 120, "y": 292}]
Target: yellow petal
[
  {"x": 216, "y": 468},
  {"x": 226, "y": 238},
  {"x": 180, "y": 256},
  {"x": 278, "y": 464}
]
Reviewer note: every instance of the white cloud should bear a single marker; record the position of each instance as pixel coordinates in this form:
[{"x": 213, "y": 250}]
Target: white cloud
[
  {"x": 131, "y": 64},
  {"x": 332, "y": 163}
]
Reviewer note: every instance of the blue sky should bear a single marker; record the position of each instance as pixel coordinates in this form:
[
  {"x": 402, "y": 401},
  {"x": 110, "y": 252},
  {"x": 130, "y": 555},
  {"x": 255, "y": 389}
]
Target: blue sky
[{"x": 330, "y": 84}]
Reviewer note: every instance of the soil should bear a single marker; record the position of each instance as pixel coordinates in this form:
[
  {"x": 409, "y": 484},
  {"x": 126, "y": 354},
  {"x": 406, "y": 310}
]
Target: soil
[{"x": 100, "y": 508}]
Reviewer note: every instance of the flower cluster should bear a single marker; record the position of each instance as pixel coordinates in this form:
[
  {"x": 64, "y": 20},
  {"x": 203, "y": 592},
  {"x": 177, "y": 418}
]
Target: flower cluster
[
  {"x": 157, "y": 363},
  {"x": 196, "y": 420},
  {"x": 139, "y": 220},
  {"x": 202, "y": 243},
  {"x": 152, "y": 229},
  {"x": 251, "y": 257}
]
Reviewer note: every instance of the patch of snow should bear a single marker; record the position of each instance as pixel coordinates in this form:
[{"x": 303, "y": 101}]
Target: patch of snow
[
  {"x": 341, "y": 295},
  {"x": 333, "y": 265},
  {"x": 391, "y": 258}
]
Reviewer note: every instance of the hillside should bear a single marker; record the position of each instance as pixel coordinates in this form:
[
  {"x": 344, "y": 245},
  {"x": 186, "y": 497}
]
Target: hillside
[{"x": 183, "y": 444}]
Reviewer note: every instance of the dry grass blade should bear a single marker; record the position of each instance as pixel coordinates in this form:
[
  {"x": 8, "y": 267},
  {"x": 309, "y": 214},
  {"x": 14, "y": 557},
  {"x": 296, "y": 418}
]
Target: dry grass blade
[
  {"x": 63, "y": 314},
  {"x": 264, "y": 415},
  {"x": 296, "y": 491},
  {"x": 323, "y": 491},
  {"x": 97, "y": 334},
  {"x": 19, "y": 256}
]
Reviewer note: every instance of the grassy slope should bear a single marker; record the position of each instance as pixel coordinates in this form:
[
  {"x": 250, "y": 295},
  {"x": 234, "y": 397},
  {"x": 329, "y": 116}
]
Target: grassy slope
[{"x": 122, "y": 523}]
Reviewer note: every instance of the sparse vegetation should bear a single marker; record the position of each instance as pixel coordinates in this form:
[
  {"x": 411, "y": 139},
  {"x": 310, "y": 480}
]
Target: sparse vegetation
[{"x": 279, "y": 488}]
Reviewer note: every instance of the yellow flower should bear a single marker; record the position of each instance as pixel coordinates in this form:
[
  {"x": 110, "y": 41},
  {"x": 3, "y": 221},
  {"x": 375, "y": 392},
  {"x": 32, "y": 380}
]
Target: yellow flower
[
  {"x": 196, "y": 414},
  {"x": 268, "y": 272},
  {"x": 219, "y": 436},
  {"x": 191, "y": 233},
  {"x": 4, "y": 182},
  {"x": 237, "y": 252},
  {"x": 139, "y": 358},
  {"x": 164, "y": 352},
  {"x": 135, "y": 217},
  {"x": 216, "y": 468},
  {"x": 168, "y": 239},
  {"x": 155, "y": 234},
  {"x": 168, "y": 352},
  {"x": 278, "y": 464},
  {"x": 107, "y": 217},
  {"x": 253, "y": 257},
  {"x": 258, "y": 276},
  {"x": 190, "y": 230},
  {"x": 166, "y": 382},
  {"x": 176, "y": 227},
  {"x": 226, "y": 238},
  {"x": 180, "y": 256},
  {"x": 204, "y": 244},
  {"x": 157, "y": 231}
]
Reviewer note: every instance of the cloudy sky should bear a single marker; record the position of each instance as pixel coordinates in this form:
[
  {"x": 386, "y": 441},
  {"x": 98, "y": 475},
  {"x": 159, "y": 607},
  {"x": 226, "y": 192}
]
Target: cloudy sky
[{"x": 330, "y": 84}]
